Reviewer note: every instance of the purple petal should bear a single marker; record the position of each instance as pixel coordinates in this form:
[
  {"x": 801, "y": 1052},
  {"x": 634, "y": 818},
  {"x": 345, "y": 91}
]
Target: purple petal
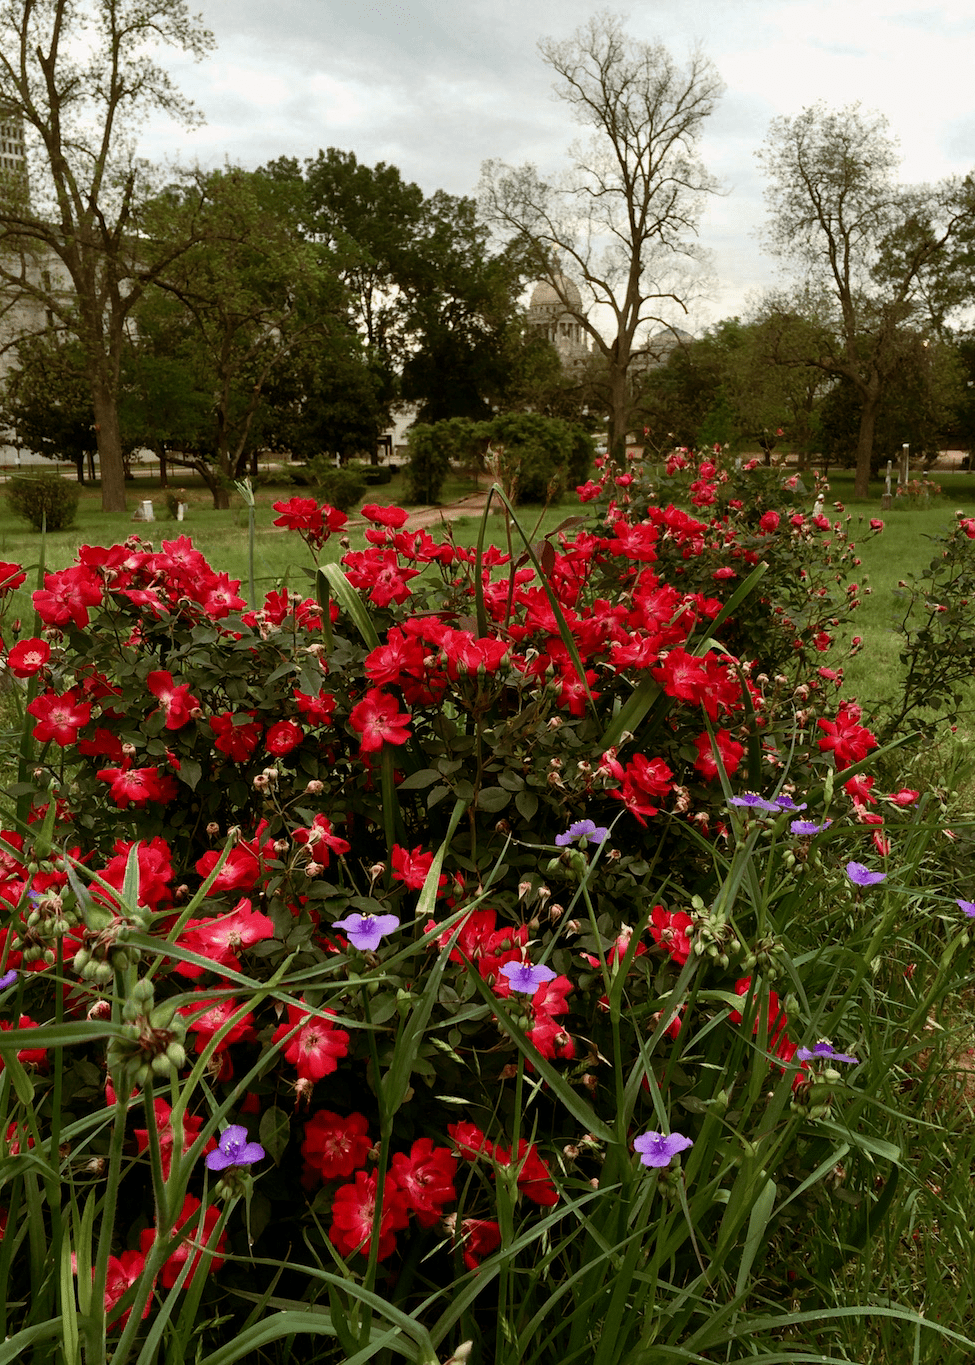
[
  {"x": 8, "y": 979},
  {"x": 967, "y": 906},
  {"x": 826, "y": 1051},
  {"x": 525, "y": 978},
  {"x": 365, "y": 931},
  {"x": 754, "y": 802},
  {"x": 233, "y": 1149},
  {"x": 787, "y": 803},
  {"x": 809, "y": 826},
  {"x": 659, "y": 1149},
  {"x": 862, "y": 876}
]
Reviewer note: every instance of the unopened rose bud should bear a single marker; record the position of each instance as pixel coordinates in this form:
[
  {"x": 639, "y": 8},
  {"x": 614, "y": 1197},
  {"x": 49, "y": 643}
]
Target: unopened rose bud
[
  {"x": 314, "y": 787},
  {"x": 128, "y": 750},
  {"x": 555, "y": 911},
  {"x": 509, "y": 1072},
  {"x": 213, "y": 829},
  {"x": 570, "y": 1151},
  {"x": 260, "y": 782}
]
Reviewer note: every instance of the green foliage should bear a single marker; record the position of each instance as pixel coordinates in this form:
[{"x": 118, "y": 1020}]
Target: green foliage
[
  {"x": 538, "y": 457},
  {"x": 46, "y": 400},
  {"x": 535, "y": 457},
  {"x": 342, "y": 488},
  {"x": 917, "y": 407},
  {"x": 44, "y": 500},
  {"x": 431, "y": 450}
]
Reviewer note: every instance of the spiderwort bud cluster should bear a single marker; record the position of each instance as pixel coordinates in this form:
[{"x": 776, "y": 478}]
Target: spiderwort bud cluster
[
  {"x": 104, "y": 948},
  {"x": 49, "y": 919},
  {"x": 152, "y": 1036},
  {"x": 714, "y": 936},
  {"x": 768, "y": 956}
]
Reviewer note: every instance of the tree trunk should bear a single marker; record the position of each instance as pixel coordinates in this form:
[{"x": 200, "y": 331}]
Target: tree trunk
[
  {"x": 868, "y": 421},
  {"x": 111, "y": 463},
  {"x": 616, "y": 435}
]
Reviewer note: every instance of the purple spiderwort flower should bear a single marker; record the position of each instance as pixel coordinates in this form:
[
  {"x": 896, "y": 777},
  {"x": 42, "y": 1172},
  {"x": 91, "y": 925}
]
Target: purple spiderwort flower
[
  {"x": 825, "y": 1052},
  {"x": 862, "y": 876},
  {"x": 753, "y": 802},
  {"x": 233, "y": 1149},
  {"x": 967, "y": 906},
  {"x": 582, "y": 829},
  {"x": 808, "y": 827},
  {"x": 8, "y": 979},
  {"x": 365, "y": 931},
  {"x": 523, "y": 977},
  {"x": 776, "y": 807},
  {"x": 659, "y": 1149}
]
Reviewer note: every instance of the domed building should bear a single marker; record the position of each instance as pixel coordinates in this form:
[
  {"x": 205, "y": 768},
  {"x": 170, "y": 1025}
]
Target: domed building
[{"x": 548, "y": 313}]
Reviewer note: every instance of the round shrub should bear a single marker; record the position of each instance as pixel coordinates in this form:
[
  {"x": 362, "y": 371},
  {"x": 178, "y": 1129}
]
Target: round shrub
[
  {"x": 45, "y": 500},
  {"x": 343, "y": 488}
]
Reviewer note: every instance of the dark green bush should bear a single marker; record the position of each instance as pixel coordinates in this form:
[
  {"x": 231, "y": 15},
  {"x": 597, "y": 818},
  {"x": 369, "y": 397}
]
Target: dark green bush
[
  {"x": 343, "y": 488},
  {"x": 45, "y": 500},
  {"x": 375, "y": 475}
]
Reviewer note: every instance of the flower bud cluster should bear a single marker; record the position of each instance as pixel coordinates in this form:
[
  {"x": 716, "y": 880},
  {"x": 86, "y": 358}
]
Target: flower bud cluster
[
  {"x": 104, "y": 949},
  {"x": 152, "y": 1036}
]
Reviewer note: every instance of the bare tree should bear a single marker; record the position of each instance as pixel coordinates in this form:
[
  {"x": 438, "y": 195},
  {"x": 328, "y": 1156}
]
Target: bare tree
[
  {"x": 873, "y": 254},
  {"x": 615, "y": 235},
  {"x": 78, "y": 76}
]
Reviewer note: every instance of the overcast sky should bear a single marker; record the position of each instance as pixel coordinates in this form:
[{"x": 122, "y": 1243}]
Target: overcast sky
[{"x": 436, "y": 89}]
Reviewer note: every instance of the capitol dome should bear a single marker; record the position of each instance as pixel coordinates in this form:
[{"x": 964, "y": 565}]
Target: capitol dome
[
  {"x": 556, "y": 317},
  {"x": 545, "y": 296}
]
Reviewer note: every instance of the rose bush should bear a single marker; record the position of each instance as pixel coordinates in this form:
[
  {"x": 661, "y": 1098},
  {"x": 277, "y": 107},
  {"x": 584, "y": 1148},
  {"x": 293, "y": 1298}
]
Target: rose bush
[{"x": 440, "y": 885}]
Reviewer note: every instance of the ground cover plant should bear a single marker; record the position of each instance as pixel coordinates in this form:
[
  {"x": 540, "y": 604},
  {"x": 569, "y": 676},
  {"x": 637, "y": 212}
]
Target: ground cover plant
[{"x": 498, "y": 955}]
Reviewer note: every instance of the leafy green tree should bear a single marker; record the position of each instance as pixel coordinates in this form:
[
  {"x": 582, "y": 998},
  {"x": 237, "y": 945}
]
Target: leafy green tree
[
  {"x": 916, "y": 410},
  {"x": 46, "y": 400},
  {"x": 241, "y": 311},
  {"x": 79, "y": 75},
  {"x": 436, "y": 306},
  {"x": 869, "y": 251}
]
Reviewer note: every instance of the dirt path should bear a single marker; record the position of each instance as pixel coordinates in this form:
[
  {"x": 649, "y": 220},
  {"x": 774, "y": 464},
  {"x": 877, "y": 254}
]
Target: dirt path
[{"x": 425, "y": 518}]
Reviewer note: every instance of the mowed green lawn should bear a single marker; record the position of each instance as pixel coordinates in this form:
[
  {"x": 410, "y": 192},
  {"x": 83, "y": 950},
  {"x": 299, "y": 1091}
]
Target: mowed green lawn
[{"x": 222, "y": 535}]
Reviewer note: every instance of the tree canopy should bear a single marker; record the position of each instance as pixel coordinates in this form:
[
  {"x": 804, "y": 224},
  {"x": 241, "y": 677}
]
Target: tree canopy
[
  {"x": 78, "y": 75},
  {"x": 873, "y": 256}
]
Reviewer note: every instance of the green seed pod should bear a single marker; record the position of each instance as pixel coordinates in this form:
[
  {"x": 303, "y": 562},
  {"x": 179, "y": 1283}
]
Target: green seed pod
[
  {"x": 142, "y": 992},
  {"x": 176, "y": 1055}
]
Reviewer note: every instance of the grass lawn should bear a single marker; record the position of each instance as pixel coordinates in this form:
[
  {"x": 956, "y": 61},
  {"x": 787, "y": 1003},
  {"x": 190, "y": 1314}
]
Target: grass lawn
[{"x": 221, "y": 535}]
